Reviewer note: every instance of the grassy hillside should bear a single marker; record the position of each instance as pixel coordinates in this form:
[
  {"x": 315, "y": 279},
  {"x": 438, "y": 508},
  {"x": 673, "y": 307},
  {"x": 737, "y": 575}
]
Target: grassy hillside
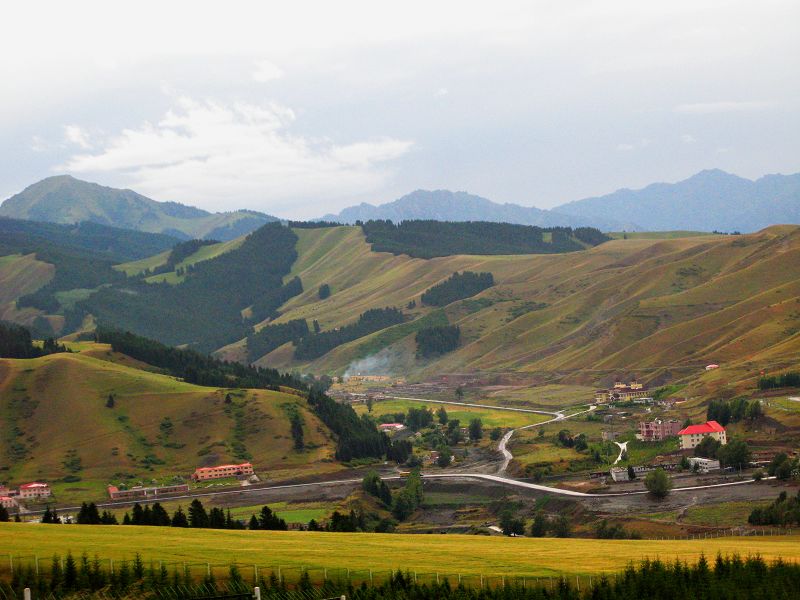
[
  {"x": 158, "y": 428},
  {"x": 446, "y": 554},
  {"x": 662, "y": 308}
]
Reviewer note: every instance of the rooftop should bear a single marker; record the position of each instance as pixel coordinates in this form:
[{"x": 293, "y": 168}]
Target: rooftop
[{"x": 707, "y": 427}]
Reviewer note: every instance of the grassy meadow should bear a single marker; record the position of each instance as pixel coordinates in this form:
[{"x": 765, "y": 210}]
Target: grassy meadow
[{"x": 446, "y": 554}]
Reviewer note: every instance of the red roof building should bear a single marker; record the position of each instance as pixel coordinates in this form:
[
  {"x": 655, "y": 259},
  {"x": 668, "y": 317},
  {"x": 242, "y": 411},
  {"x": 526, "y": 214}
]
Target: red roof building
[
  {"x": 222, "y": 471},
  {"x": 34, "y": 490},
  {"x": 692, "y": 435}
]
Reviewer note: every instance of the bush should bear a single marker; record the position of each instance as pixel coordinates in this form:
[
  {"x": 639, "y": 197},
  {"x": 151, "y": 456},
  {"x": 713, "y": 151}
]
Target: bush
[{"x": 658, "y": 483}]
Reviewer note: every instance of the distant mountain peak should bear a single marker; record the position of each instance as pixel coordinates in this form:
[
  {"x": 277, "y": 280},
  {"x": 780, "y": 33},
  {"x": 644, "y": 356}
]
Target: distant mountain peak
[{"x": 65, "y": 199}]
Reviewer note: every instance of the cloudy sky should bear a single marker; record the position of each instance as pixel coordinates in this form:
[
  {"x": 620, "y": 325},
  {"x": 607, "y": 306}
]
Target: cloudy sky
[{"x": 299, "y": 108}]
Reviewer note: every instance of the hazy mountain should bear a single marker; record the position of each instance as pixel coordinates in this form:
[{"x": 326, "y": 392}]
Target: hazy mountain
[
  {"x": 710, "y": 200},
  {"x": 444, "y": 205},
  {"x": 64, "y": 199}
]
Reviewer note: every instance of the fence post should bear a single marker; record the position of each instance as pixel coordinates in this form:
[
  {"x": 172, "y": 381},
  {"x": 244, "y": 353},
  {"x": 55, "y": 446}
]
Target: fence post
[
  {"x": 11, "y": 563},
  {"x": 26, "y": 594},
  {"x": 257, "y": 593},
  {"x": 578, "y": 582}
]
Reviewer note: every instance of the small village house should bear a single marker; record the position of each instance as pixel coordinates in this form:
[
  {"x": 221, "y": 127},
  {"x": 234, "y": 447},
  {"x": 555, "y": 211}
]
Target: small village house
[
  {"x": 8, "y": 502},
  {"x": 657, "y": 430},
  {"x": 391, "y": 426},
  {"x": 692, "y": 435},
  {"x": 704, "y": 465},
  {"x": 33, "y": 490},
  {"x": 222, "y": 471}
]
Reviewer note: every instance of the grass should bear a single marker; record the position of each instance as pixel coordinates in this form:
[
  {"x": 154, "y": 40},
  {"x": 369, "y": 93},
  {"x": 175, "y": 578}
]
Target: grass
[
  {"x": 468, "y": 555},
  {"x": 656, "y": 235},
  {"x": 43, "y": 400},
  {"x": 489, "y": 417}
]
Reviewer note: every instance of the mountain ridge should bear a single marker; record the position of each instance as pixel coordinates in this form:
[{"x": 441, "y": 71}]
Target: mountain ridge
[{"x": 66, "y": 200}]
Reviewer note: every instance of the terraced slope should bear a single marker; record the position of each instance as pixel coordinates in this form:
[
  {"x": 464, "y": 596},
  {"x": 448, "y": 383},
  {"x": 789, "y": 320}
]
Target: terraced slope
[
  {"x": 157, "y": 428},
  {"x": 645, "y": 305}
]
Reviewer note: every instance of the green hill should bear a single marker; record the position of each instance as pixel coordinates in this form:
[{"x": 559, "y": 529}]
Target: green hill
[
  {"x": 158, "y": 427},
  {"x": 64, "y": 199}
]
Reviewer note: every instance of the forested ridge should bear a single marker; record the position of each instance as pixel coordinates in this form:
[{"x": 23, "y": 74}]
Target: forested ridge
[
  {"x": 271, "y": 337},
  {"x": 429, "y": 239},
  {"x": 16, "y": 342},
  {"x": 205, "y": 309},
  {"x": 83, "y": 254}
]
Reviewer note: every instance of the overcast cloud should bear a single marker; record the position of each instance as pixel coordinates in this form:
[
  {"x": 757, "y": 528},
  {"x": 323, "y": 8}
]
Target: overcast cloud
[{"x": 301, "y": 110}]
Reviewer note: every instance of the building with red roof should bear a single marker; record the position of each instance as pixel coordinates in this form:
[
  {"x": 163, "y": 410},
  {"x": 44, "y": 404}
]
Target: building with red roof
[
  {"x": 692, "y": 435},
  {"x": 34, "y": 490}
]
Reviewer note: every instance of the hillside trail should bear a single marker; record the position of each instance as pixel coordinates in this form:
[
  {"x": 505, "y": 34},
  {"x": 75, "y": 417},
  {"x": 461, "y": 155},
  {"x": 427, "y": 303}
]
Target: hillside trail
[{"x": 623, "y": 448}]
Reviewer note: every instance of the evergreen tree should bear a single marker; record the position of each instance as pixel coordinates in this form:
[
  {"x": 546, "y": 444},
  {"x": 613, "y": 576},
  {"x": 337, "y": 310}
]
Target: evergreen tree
[
  {"x": 197, "y": 515},
  {"x": 442, "y": 415},
  {"x": 539, "y": 525},
  {"x": 179, "y": 518},
  {"x": 159, "y": 516},
  {"x": 4, "y": 516},
  {"x": 475, "y": 429},
  {"x": 70, "y": 572}
]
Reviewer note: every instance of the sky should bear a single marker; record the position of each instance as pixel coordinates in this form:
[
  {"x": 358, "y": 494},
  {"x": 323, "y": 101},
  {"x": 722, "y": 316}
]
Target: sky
[{"x": 299, "y": 109}]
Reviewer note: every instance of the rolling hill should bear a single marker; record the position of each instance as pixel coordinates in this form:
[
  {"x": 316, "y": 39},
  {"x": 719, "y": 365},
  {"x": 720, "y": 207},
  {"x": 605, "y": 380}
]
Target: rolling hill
[
  {"x": 64, "y": 199},
  {"x": 158, "y": 427}
]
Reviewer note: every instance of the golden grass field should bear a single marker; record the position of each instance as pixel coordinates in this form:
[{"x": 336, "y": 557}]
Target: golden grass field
[
  {"x": 489, "y": 418},
  {"x": 446, "y": 554},
  {"x": 58, "y": 402}
]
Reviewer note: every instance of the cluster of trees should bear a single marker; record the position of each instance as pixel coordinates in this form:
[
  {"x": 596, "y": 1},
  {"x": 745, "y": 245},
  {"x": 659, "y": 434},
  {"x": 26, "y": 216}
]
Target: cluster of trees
[
  {"x": 90, "y": 515},
  {"x": 567, "y": 440},
  {"x": 405, "y": 502},
  {"x": 457, "y": 287},
  {"x": 16, "y": 342},
  {"x": 736, "y": 453},
  {"x": 733, "y": 411},
  {"x": 784, "y": 511},
  {"x": 615, "y": 531},
  {"x": 296, "y": 426},
  {"x": 205, "y": 309},
  {"x": 314, "y": 224},
  {"x": 730, "y": 577},
  {"x": 267, "y": 339},
  {"x": 179, "y": 253},
  {"x": 83, "y": 254},
  {"x": 315, "y": 345},
  {"x": 399, "y": 451},
  {"x": 418, "y": 418},
  {"x": 789, "y": 379},
  {"x": 428, "y": 239},
  {"x": 324, "y": 291},
  {"x": 434, "y": 341},
  {"x": 784, "y": 468},
  {"x": 266, "y": 306}
]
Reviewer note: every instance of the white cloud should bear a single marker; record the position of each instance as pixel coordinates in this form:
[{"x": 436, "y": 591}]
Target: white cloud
[
  {"x": 441, "y": 92},
  {"x": 688, "y": 138},
  {"x": 266, "y": 71},
  {"x": 718, "y": 107},
  {"x": 77, "y": 136},
  {"x": 240, "y": 155}
]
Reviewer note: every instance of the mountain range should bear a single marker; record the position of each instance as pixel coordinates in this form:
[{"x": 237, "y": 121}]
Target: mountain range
[
  {"x": 66, "y": 200},
  {"x": 711, "y": 200}
]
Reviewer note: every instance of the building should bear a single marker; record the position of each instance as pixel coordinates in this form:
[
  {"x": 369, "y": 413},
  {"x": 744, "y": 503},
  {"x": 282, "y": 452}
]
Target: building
[
  {"x": 711, "y": 367},
  {"x": 391, "y": 426},
  {"x": 621, "y": 473},
  {"x": 622, "y": 392},
  {"x": 222, "y": 471},
  {"x": 136, "y": 493},
  {"x": 692, "y": 435},
  {"x": 34, "y": 490},
  {"x": 8, "y": 502},
  {"x": 655, "y": 431},
  {"x": 704, "y": 465}
]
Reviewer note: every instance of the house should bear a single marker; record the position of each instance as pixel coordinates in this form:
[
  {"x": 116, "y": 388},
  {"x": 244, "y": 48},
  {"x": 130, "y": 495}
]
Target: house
[
  {"x": 621, "y": 473},
  {"x": 655, "y": 431},
  {"x": 622, "y": 392},
  {"x": 8, "y": 502},
  {"x": 391, "y": 426},
  {"x": 139, "y": 492},
  {"x": 34, "y": 490},
  {"x": 711, "y": 367},
  {"x": 222, "y": 471},
  {"x": 608, "y": 436},
  {"x": 692, "y": 435},
  {"x": 704, "y": 465}
]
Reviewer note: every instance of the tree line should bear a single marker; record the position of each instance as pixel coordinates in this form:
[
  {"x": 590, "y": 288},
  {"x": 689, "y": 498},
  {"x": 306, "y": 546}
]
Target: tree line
[
  {"x": 270, "y": 337},
  {"x": 315, "y": 345},
  {"x": 428, "y": 239},
  {"x": 784, "y": 511},
  {"x": 727, "y": 577},
  {"x": 457, "y": 287},
  {"x": 771, "y": 382},
  {"x": 733, "y": 411},
  {"x": 16, "y": 342}
]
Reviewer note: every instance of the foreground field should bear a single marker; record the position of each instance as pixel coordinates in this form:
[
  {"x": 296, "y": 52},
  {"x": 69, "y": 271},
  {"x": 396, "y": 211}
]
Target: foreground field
[{"x": 450, "y": 554}]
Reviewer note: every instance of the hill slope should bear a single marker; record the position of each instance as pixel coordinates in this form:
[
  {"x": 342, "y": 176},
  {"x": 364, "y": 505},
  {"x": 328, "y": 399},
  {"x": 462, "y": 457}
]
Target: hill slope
[
  {"x": 64, "y": 199},
  {"x": 444, "y": 205},
  {"x": 644, "y": 305},
  {"x": 710, "y": 201},
  {"x": 159, "y": 427}
]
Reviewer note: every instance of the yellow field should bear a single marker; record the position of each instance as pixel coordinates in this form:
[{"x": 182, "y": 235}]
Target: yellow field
[
  {"x": 58, "y": 403},
  {"x": 489, "y": 418},
  {"x": 451, "y": 554}
]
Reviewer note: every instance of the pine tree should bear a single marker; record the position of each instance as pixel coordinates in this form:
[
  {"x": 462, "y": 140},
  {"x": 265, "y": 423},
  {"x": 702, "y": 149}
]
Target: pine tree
[
  {"x": 197, "y": 514},
  {"x": 179, "y": 518},
  {"x": 70, "y": 572},
  {"x": 4, "y": 517}
]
